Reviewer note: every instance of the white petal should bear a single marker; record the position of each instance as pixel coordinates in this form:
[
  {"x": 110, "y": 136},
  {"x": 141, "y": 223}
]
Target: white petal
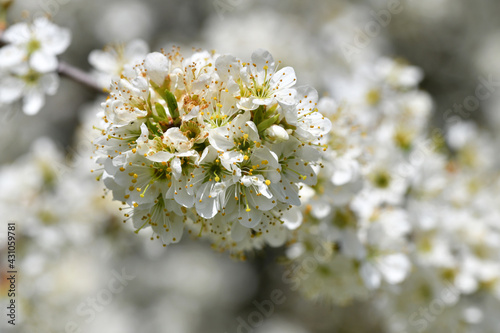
[
  {"x": 50, "y": 83},
  {"x": 157, "y": 65},
  {"x": 344, "y": 171},
  {"x": 351, "y": 246},
  {"x": 466, "y": 283},
  {"x": 218, "y": 139},
  {"x": 102, "y": 61},
  {"x": 260, "y": 201},
  {"x": 117, "y": 190},
  {"x": 371, "y": 277},
  {"x": 308, "y": 153},
  {"x": 43, "y": 62},
  {"x": 290, "y": 195},
  {"x": 54, "y": 39},
  {"x": 284, "y": 78},
  {"x": 181, "y": 195},
  {"x": 33, "y": 102},
  {"x": 206, "y": 207},
  {"x": 11, "y": 55},
  {"x": 238, "y": 232},
  {"x": 251, "y": 218},
  {"x": 261, "y": 58},
  {"x": 394, "y": 267},
  {"x": 262, "y": 101},
  {"x": 308, "y": 96},
  {"x": 12, "y": 89},
  {"x": 138, "y": 217},
  {"x": 176, "y": 167},
  {"x": 276, "y": 133},
  {"x": 137, "y": 48},
  {"x": 305, "y": 171},
  {"x": 227, "y": 66},
  {"x": 275, "y": 235},
  {"x": 286, "y": 96},
  {"x": 175, "y": 136},
  {"x": 292, "y": 218},
  {"x": 17, "y": 34},
  {"x": 175, "y": 228}
]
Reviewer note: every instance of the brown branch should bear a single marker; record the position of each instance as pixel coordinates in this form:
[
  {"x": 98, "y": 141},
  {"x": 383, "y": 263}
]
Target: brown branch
[{"x": 77, "y": 75}]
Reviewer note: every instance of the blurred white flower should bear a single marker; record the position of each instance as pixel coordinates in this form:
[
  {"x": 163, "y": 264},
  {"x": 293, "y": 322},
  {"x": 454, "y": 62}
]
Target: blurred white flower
[
  {"x": 22, "y": 82},
  {"x": 29, "y": 61},
  {"x": 115, "y": 59},
  {"x": 38, "y": 44}
]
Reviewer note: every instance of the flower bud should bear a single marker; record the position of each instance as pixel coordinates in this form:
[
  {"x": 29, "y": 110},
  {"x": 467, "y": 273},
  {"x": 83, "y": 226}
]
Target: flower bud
[
  {"x": 157, "y": 66},
  {"x": 276, "y": 133}
]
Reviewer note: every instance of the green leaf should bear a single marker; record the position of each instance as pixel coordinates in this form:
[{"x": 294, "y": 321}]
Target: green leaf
[
  {"x": 270, "y": 111},
  {"x": 173, "y": 108},
  {"x": 267, "y": 123},
  {"x": 161, "y": 111},
  {"x": 259, "y": 113}
]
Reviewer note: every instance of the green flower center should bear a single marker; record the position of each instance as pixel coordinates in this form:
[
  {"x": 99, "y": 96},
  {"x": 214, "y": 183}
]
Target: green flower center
[
  {"x": 31, "y": 77},
  {"x": 381, "y": 179},
  {"x": 33, "y": 45}
]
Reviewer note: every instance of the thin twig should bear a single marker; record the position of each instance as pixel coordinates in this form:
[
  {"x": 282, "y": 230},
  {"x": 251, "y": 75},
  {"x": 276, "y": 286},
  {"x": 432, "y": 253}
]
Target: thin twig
[{"x": 77, "y": 75}]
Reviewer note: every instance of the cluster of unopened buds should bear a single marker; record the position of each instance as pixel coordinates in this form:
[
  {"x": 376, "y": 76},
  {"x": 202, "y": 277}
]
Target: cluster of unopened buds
[{"x": 213, "y": 143}]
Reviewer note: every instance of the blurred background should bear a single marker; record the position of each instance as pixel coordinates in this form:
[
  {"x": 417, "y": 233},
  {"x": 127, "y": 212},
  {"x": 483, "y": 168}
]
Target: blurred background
[{"x": 73, "y": 251}]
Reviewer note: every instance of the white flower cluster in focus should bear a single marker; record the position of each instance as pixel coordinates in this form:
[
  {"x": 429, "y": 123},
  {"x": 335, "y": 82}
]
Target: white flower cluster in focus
[
  {"x": 211, "y": 142},
  {"x": 28, "y": 62}
]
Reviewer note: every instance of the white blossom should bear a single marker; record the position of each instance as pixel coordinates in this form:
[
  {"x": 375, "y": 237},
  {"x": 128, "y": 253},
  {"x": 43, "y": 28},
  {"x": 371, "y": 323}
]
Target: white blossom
[{"x": 202, "y": 141}]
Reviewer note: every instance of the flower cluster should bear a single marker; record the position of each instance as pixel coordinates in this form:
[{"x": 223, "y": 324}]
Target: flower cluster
[
  {"x": 356, "y": 210},
  {"x": 235, "y": 152},
  {"x": 212, "y": 142},
  {"x": 28, "y": 62},
  {"x": 397, "y": 204},
  {"x": 454, "y": 212}
]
